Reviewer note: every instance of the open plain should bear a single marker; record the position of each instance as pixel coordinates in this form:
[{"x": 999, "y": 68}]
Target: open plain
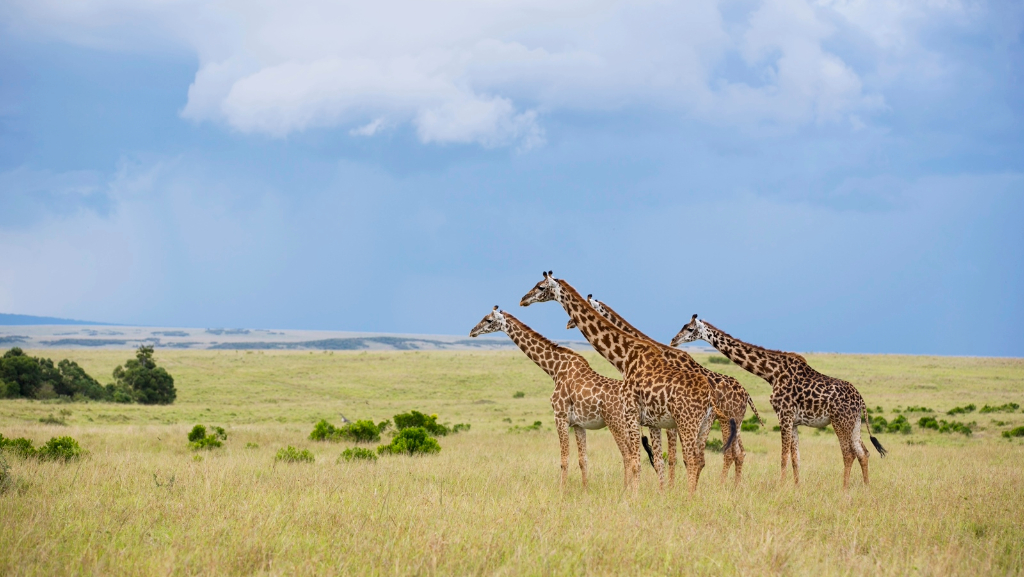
[{"x": 141, "y": 502}]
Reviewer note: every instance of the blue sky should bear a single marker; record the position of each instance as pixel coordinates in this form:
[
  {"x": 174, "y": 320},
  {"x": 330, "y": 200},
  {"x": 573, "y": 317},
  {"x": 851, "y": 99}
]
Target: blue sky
[{"x": 812, "y": 176}]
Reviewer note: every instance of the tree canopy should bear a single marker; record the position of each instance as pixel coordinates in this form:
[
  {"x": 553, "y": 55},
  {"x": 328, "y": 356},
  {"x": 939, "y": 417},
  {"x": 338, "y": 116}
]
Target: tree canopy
[{"x": 148, "y": 383}]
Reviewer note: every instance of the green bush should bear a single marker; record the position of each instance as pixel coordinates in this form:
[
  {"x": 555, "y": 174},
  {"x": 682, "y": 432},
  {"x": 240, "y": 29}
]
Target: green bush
[
  {"x": 416, "y": 419},
  {"x": 197, "y": 433},
  {"x": 962, "y": 410},
  {"x": 359, "y": 431},
  {"x": 875, "y": 410},
  {"x": 459, "y": 427},
  {"x": 750, "y": 425},
  {"x": 717, "y": 360},
  {"x": 1018, "y": 432},
  {"x": 944, "y": 426},
  {"x": 878, "y": 424},
  {"x": 411, "y": 441},
  {"x": 251, "y": 445},
  {"x": 20, "y": 447},
  {"x": 5, "y": 474},
  {"x": 199, "y": 439},
  {"x": 518, "y": 395},
  {"x": 292, "y": 455},
  {"x": 713, "y": 445},
  {"x": 899, "y": 425},
  {"x": 914, "y": 409},
  {"x": 358, "y": 453},
  {"x": 60, "y": 449},
  {"x": 1006, "y": 408}
]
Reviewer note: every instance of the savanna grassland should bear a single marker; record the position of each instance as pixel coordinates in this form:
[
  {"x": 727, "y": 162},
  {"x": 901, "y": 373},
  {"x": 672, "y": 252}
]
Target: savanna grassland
[{"x": 141, "y": 502}]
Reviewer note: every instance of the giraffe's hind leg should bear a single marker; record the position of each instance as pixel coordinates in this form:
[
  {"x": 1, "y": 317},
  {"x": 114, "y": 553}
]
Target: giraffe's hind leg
[
  {"x": 670, "y": 446},
  {"x": 581, "y": 450},
  {"x": 795, "y": 455},
  {"x": 863, "y": 458},
  {"x": 849, "y": 444},
  {"x": 562, "y": 426},
  {"x": 728, "y": 455},
  {"x": 738, "y": 458},
  {"x": 659, "y": 461}
]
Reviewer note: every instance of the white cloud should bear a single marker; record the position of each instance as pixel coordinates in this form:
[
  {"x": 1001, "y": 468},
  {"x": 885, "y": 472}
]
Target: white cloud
[{"x": 485, "y": 72}]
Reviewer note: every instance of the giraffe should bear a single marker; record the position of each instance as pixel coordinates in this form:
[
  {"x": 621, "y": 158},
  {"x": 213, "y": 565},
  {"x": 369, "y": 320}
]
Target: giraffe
[
  {"x": 800, "y": 396},
  {"x": 734, "y": 398},
  {"x": 582, "y": 399},
  {"x": 667, "y": 396}
]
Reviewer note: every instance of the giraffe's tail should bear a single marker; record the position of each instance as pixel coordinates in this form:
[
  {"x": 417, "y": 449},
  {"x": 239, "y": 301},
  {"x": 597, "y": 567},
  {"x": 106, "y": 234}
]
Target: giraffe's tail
[
  {"x": 750, "y": 402},
  {"x": 878, "y": 446},
  {"x": 732, "y": 434},
  {"x": 647, "y": 447}
]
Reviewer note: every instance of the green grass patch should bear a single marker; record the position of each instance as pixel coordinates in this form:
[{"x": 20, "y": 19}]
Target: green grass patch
[
  {"x": 1004, "y": 408},
  {"x": 290, "y": 454},
  {"x": 357, "y": 454}
]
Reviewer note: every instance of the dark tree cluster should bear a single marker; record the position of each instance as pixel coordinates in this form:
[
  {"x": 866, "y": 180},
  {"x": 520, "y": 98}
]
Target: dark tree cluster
[{"x": 138, "y": 381}]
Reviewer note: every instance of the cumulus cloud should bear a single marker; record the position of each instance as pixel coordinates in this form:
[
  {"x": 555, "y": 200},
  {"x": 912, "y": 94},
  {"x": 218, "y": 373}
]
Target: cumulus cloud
[{"x": 486, "y": 73}]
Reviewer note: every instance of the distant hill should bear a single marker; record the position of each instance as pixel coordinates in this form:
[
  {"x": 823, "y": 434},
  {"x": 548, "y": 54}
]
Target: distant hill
[{"x": 21, "y": 320}]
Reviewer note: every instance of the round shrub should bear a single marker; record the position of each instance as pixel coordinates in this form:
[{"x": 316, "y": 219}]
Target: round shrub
[
  {"x": 60, "y": 449},
  {"x": 197, "y": 433},
  {"x": 411, "y": 441}
]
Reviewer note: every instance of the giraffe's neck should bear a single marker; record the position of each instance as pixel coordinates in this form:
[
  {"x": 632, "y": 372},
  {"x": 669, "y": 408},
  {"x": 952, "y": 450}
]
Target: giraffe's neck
[
  {"x": 545, "y": 353},
  {"x": 765, "y": 363},
  {"x": 682, "y": 357},
  {"x": 608, "y": 340}
]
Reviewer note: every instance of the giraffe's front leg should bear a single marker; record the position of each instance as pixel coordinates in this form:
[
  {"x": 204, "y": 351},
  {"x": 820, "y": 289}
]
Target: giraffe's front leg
[
  {"x": 693, "y": 453},
  {"x": 562, "y": 426},
  {"x": 581, "y": 450},
  {"x": 786, "y": 425}
]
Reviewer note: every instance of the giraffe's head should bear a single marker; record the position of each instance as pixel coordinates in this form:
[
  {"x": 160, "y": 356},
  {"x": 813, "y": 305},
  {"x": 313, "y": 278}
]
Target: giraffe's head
[
  {"x": 594, "y": 303},
  {"x": 546, "y": 290},
  {"x": 691, "y": 331},
  {"x": 492, "y": 323}
]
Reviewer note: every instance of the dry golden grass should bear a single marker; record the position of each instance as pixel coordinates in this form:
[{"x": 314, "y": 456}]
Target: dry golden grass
[{"x": 490, "y": 503}]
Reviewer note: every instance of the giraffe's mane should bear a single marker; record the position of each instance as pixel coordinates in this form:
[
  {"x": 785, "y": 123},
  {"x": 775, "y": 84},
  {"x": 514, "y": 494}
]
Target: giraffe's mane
[
  {"x": 623, "y": 321},
  {"x": 770, "y": 351},
  {"x": 534, "y": 334}
]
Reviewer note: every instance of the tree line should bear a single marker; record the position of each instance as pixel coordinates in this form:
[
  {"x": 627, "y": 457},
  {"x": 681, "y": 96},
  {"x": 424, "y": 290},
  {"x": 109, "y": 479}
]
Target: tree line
[{"x": 138, "y": 380}]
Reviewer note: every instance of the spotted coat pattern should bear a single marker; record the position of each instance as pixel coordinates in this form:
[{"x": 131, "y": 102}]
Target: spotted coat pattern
[
  {"x": 668, "y": 397},
  {"x": 582, "y": 398},
  {"x": 733, "y": 398},
  {"x": 800, "y": 396}
]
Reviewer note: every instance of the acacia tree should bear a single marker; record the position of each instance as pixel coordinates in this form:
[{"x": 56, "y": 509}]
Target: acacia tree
[{"x": 148, "y": 383}]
